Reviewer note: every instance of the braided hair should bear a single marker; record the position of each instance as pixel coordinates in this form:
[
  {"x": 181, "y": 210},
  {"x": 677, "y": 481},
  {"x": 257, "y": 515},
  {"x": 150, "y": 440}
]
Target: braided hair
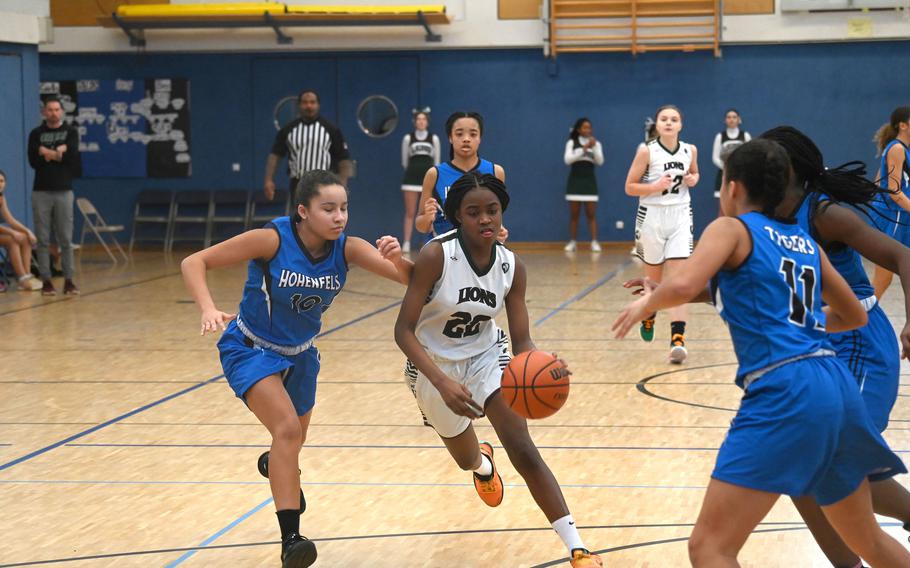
[
  {"x": 762, "y": 166},
  {"x": 467, "y": 182},
  {"x": 450, "y": 124},
  {"x": 844, "y": 184}
]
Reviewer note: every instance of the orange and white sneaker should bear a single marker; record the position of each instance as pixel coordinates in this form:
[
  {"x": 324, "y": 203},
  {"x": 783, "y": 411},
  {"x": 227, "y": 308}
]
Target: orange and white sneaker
[
  {"x": 490, "y": 489},
  {"x": 582, "y": 558}
]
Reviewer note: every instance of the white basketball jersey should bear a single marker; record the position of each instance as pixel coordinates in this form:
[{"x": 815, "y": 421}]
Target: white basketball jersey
[
  {"x": 457, "y": 321},
  {"x": 663, "y": 162}
]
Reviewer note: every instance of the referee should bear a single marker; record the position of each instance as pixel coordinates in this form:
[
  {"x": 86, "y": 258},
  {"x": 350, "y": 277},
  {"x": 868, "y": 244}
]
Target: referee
[{"x": 311, "y": 143}]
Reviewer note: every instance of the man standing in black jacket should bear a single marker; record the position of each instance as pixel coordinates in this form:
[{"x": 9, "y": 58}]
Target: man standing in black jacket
[{"x": 53, "y": 151}]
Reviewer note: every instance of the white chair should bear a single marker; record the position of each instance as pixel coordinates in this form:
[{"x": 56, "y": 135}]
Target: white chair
[{"x": 92, "y": 221}]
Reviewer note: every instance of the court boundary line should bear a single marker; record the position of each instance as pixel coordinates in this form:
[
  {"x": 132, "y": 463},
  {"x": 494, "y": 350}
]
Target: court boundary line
[
  {"x": 776, "y": 527},
  {"x": 603, "y": 280},
  {"x": 135, "y": 411}
]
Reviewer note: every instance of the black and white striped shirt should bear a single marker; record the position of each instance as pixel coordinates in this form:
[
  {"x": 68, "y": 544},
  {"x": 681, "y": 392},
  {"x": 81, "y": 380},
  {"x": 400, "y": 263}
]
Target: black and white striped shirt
[{"x": 310, "y": 145}]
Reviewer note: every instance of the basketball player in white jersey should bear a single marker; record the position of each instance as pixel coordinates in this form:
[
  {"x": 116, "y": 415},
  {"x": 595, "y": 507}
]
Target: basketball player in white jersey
[
  {"x": 661, "y": 175},
  {"x": 456, "y": 353}
]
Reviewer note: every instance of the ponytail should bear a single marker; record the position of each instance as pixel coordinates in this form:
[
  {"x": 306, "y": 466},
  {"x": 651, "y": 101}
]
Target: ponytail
[{"x": 888, "y": 131}]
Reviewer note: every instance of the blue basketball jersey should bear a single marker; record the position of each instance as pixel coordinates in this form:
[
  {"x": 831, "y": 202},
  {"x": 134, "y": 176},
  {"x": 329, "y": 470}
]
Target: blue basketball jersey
[
  {"x": 284, "y": 297},
  {"x": 845, "y": 260},
  {"x": 772, "y": 302},
  {"x": 884, "y": 174},
  {"x": 446, "y": 175}
]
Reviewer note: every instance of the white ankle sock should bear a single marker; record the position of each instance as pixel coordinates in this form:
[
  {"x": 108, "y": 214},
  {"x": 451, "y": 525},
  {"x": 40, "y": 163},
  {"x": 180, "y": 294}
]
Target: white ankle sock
[
  {"x": 486, "y": 466},
  {"x": 565, "y": 528},
  {"x": 25, "y": 277}
]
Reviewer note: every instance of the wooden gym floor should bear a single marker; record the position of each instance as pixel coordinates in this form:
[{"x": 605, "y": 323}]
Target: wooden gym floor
[{"x": 121, "y": 444}]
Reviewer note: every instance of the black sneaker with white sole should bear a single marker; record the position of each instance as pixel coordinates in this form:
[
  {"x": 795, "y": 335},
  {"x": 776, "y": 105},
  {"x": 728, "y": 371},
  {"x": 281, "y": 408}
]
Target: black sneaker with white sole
[{"x": 297, "y": 552}]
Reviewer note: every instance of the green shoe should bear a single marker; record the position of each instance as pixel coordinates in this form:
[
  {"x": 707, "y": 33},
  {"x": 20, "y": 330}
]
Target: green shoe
[{"x": 646, "y": 330}]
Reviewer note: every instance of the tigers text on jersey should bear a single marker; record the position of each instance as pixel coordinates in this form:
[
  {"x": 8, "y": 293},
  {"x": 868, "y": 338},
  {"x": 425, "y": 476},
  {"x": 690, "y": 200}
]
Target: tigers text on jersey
[
  {"x": 772, "y": 301},
  {"x": 284, "y": 297},
  {"x": 457, "y": 320},
  {"x": 661, "y": 162},
  {"x": 446, "y": 174}
]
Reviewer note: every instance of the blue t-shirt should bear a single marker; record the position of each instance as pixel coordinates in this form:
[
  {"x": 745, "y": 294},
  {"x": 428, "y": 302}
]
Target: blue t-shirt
[
  {"x": 284, "y": 297},
  {"x": 844, "y": 259},
  {"x": 772, "y": 302},
  {"x": 446, "y": 174}
]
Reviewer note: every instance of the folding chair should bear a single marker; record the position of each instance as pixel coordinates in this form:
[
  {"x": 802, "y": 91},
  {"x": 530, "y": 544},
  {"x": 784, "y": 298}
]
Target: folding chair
[
  {"x": 262, "y": 210},
  {"x": 192, "y": 208},
  {"x": 153, "y": 207},
  {"x": 94, "y": 222},
  {"x": 229, "y": 207}
]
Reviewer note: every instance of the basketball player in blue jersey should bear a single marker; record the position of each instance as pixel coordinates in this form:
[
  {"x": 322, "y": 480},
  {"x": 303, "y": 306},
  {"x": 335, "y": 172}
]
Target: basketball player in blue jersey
[
  {"x": 802, "y": 428},
  {"x": 823, "y": 201},
  {"x": 464, "y": 130},
  {"x": 456, "y": 352},
  {"x": 893, "y": 139},
  {"x": 296, "y": 267}
]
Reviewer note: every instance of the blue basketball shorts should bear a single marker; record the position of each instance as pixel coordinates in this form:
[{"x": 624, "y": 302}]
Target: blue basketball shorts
[
  {"x": 803, "y": 429},
  {"x": 873, "y": 356},
  {"x": 245, "y": 365}
]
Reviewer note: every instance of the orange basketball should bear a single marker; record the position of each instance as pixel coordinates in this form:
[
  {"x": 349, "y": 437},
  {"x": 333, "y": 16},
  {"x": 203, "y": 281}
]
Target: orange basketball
[{"x": 535, "y": 384}]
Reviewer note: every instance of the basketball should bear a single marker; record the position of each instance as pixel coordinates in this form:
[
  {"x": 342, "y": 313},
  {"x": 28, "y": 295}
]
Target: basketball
[{"x": 535, "y": 384}]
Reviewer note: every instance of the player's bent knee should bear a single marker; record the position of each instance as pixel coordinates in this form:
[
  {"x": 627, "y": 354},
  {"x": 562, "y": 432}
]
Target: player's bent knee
[{"x": 288, "y": 432}]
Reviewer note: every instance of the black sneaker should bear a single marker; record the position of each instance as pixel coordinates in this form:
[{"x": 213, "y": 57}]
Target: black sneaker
[
  {"x": 297, "y": 552},
  {"x": 263, "y": 466},
  {"x": 47, "y": 289},
  {"x": 70, "y": 289}
]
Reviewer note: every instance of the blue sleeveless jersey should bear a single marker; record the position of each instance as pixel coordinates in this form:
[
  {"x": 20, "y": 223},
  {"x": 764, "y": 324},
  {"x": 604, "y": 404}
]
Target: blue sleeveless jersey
[
  {"x": 845, "y": 260},
  {"x": 772, "y": 302},
  {"x": 284, "y": 297},
  {"x": 883, "y": 173},
  {"x": 446, "y": 174}
]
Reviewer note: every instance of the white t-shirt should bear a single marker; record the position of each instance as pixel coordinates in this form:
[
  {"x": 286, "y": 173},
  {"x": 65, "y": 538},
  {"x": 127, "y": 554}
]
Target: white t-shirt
[{"x": 457, "y": 320}]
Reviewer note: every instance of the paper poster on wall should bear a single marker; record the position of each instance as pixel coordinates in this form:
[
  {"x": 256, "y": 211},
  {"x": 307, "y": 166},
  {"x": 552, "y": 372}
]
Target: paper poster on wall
[{"x": 129, "y": 127}]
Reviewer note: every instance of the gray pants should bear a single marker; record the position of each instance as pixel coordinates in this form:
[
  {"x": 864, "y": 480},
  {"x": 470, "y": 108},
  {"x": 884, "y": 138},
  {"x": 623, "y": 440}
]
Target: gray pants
[{"x": 54, "y": 209}]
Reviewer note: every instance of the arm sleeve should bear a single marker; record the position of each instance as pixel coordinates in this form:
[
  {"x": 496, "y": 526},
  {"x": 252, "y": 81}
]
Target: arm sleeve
[
  {"x": 405, "y": 142},
  {"x": 33, "y": 158},
  {"x": 437, "y": 150},
  {"x": 715, "y": 154},
  {"x": 72, "y": 158},
  {"x": 279, "y": 146},
  {"x": 598, "y": 154},
  {"x": 339, "y": 148},
  {"x": 572, "y": 154}
]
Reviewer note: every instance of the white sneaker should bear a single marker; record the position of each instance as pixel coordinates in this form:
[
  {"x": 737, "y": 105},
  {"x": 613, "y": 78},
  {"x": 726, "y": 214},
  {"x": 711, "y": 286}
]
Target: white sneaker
[
  {"x": 406, "y": 247},
  {"x": 570, "y": 246},
  {"x": 29, "y": 284},
  {"x": 595, "y": 246},
  {"x": 678, "y": 354}
]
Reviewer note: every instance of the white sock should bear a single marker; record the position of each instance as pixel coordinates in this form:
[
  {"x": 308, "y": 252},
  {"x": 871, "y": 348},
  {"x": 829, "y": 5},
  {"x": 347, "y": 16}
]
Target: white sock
[
  {"x": 485, "y": 468},
  {"x": 565, "y": 528},
  {"x": 25, "y": 277}
]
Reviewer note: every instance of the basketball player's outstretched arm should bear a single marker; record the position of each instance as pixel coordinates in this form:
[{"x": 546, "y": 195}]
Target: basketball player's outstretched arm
[
  {"x": 517, "y": 311},
  {"x": 384, "y": 260},
  {"x": 836, "y": 223},
  {"x": 634, "y": 185},
  {"x": 258, "y": 243},
  {"x": 428, "y": 270}
]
